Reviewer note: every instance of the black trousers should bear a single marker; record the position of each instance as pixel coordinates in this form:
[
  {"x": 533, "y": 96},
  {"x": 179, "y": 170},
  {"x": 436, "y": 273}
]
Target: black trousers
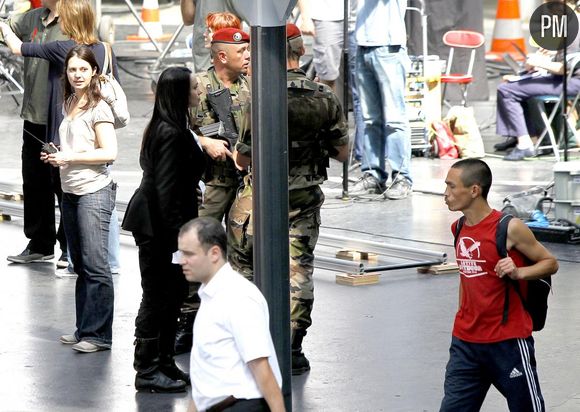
[
  {"x": 40, "y": 183},
  {"x": 164, "y": 288},
  {"x": 509, "y": 365}
]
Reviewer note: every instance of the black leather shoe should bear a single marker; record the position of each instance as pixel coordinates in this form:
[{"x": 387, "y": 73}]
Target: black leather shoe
[
  {"x": 184, "y": 333},
  {"x": 172, "y": 371},
  {"x": 157, "y": 381},
  {"x": 300, "y": 363},
  {"x": 508, "y": 143}
]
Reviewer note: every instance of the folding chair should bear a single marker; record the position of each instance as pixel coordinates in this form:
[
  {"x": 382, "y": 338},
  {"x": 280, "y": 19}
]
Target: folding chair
[
  {"x": 542, "y": 101},
  {"x": 460, "y": 39}
]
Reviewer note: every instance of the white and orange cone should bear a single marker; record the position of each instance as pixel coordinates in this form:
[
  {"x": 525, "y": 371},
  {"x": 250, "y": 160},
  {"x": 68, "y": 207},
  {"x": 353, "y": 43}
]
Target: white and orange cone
[
  {"x": 507, "y": 31},
  {"x": 150, "y": 17}
]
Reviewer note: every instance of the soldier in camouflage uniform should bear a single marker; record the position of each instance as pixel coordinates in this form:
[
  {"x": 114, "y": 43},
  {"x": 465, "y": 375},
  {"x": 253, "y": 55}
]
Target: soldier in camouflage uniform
[
  {"x": 231, "y": 58},
  {"x": 317, "y": 130}
]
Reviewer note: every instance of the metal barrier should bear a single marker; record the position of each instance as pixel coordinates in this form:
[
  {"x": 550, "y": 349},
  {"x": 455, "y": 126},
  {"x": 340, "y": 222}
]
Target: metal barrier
[{"x": 390, "y": 257}]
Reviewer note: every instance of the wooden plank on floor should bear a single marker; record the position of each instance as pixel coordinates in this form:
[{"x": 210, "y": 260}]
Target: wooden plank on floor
[
  {"x": 449, "y": 268},
  {"x": 357, "y": 280}
]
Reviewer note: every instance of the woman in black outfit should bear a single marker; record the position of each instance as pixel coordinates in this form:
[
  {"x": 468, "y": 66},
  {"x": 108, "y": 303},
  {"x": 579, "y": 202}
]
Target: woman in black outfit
[{"x": 172, "y": 164}]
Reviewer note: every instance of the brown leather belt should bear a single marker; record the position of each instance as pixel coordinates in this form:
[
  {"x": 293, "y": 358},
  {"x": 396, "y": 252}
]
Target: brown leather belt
[{"x": 220, "y": 406}]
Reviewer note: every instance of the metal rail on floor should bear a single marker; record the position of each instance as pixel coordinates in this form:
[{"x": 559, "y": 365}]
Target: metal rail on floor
[{"x": 406, "y": 257}]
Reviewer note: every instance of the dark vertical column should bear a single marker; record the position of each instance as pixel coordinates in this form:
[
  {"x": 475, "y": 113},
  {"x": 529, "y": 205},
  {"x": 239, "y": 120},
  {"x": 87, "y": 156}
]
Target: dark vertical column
[
  {"x": 345, "y": 89},
  {"x": 270, "y": 184}
]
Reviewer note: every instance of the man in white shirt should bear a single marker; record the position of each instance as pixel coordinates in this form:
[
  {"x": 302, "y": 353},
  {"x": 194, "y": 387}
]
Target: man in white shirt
[{"x": 233, "y": 361}]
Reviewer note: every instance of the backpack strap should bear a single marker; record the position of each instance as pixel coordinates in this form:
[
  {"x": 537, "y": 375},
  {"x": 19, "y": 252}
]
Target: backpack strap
[
  {"x": 501, "y": 245},
  {"x": 458, "y": 227}
]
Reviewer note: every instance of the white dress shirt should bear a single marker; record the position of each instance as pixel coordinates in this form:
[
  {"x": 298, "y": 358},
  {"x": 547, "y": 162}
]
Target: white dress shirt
[{"x": 231, "y": 329}]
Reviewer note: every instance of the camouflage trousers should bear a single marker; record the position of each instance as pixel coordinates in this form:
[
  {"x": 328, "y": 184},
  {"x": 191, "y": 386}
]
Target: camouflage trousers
[
  {"x": 304, "y": 224},
  {"x": 217, "y": 202}
]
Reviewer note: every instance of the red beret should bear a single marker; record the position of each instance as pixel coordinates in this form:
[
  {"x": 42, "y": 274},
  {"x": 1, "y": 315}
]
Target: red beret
[
  {"x": 230, "y": 35},
  {"x": 292, "y": 31}
]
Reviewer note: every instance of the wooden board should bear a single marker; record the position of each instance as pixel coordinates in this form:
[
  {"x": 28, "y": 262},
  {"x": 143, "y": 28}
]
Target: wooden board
[
  {"x": 356, "y": 255},
  {"x": 449, "y": 268},
  {"x": 11, "y": 196},
  {"x": 357, "y": 280}
]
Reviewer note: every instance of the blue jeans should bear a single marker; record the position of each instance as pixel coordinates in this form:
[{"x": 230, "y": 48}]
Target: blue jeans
[
  {"x": 114, "y": 246},
  {"x": 381, "y": 76},
  {"x": 86, "y": 224},
  {"x": 359, "y": 125}
]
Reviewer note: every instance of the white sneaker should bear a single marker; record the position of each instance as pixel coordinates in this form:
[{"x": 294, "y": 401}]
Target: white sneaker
[
  {"x": 64, "y": 273},
  {"x": 399, "y": 189}
]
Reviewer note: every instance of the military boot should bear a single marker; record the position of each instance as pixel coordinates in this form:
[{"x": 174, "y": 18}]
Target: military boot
[
  {"x": 184, "y": 333},
  {"x": 149, "y": 377},
  {"x": 167, "y": 362},
  {"x": 300, "y": 363}
]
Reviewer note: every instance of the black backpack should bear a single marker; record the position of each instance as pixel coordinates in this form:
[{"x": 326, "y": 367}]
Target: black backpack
[{"x": 536, "y": 302}]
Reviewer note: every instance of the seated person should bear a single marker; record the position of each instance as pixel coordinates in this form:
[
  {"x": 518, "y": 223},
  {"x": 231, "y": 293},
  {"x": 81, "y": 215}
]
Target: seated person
[{"x": 511, "y": 96}]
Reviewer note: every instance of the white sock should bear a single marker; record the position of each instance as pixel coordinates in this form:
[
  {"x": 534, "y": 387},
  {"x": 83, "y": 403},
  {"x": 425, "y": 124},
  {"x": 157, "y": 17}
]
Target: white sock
[{"x": 525, "y": 142}]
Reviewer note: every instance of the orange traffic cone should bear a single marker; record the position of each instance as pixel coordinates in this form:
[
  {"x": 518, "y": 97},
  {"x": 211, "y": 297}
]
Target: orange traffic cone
[
  {"x": 507, "y": 33},
  {"x": 150, "y": 17}
]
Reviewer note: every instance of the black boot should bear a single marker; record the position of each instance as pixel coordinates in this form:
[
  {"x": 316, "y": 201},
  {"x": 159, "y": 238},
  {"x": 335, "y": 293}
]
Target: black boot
[
  {"x": 169, "y": 368},
  {"x": 167, "y": 362},
  {"x": 149, "y": 376},
  {"x": 184, "y": 334},
  {"x": 300, "y": 363}
]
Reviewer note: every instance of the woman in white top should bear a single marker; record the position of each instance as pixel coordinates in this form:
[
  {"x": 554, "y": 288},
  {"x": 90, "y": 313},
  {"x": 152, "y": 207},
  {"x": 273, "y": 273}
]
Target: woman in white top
[{"x": 88, "y": 145}]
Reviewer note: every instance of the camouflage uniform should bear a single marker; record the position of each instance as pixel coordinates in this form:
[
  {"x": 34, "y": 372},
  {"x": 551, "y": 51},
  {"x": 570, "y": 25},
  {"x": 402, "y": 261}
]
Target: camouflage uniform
[
  {"x": 316, "y": 125},
  {"x": 221, "y": 178}
]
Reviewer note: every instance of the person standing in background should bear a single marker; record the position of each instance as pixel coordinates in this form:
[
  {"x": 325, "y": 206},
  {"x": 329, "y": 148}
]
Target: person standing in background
[
  {"x": 172, "y": 163},
  {"x": 184, "y": 336},
  {"x": 77, "y": 21},
  {"x": 323, "y": 19},
  {"x": 195, "y": 12},
  {"x": 382, "y": 64},
  {"x": 38, "y": 183},
  {"x": 317, "y": 130},
  {"x": 88, "y": 144}
]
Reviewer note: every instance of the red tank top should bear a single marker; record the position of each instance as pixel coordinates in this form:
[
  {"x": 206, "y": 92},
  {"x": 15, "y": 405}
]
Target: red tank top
[{"x": 479, "y": 318}]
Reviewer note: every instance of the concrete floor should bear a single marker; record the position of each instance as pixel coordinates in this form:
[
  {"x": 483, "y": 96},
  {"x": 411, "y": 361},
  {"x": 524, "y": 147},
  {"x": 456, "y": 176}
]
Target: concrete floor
[{"x": 372, "y": 348}]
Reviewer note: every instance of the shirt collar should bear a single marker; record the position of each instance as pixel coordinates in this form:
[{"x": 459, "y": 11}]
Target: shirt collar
[
  {"x": 236, "y": 85},
  {"x": 44, "y": 17},
  {"x": 210, "y": 289}
]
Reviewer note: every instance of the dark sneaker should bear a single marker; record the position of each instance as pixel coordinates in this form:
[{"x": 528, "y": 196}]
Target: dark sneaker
[
  {"x": 401, "y": 188},
  {"x": 28, "y": 256},
  {"x": 62, "y": 261},
  {"x": 366, "y": 185},
  {"x": 300, "y": 363},
  {"x": 508, "y": 143},
  {"x": 519, "y": 154}
]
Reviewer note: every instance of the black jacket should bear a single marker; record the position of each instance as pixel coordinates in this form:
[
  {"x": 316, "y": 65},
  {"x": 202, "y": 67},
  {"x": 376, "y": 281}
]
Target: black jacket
[{"x": 172, "y": 164}]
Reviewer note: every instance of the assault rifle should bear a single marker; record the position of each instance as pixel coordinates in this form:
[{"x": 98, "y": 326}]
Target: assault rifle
[{"x": 221, "y": 103}]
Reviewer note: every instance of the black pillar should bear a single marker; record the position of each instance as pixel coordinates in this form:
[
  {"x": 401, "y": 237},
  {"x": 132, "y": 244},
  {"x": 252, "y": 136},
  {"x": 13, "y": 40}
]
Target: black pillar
[{"x": 270, "y": 184}]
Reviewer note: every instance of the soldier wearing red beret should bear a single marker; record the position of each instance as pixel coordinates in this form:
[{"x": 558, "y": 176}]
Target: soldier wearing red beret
[
  {"x": 317, "y": 130},
  {"x": 231, "y": 59}
]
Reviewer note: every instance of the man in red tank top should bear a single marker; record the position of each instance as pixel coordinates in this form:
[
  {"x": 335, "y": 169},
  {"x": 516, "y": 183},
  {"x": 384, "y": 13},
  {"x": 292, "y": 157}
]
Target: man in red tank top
[{"x": 485, "y": 350}]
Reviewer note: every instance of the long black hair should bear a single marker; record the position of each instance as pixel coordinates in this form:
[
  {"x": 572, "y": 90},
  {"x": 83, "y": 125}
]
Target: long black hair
[{"x": 171, "y": 101}]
